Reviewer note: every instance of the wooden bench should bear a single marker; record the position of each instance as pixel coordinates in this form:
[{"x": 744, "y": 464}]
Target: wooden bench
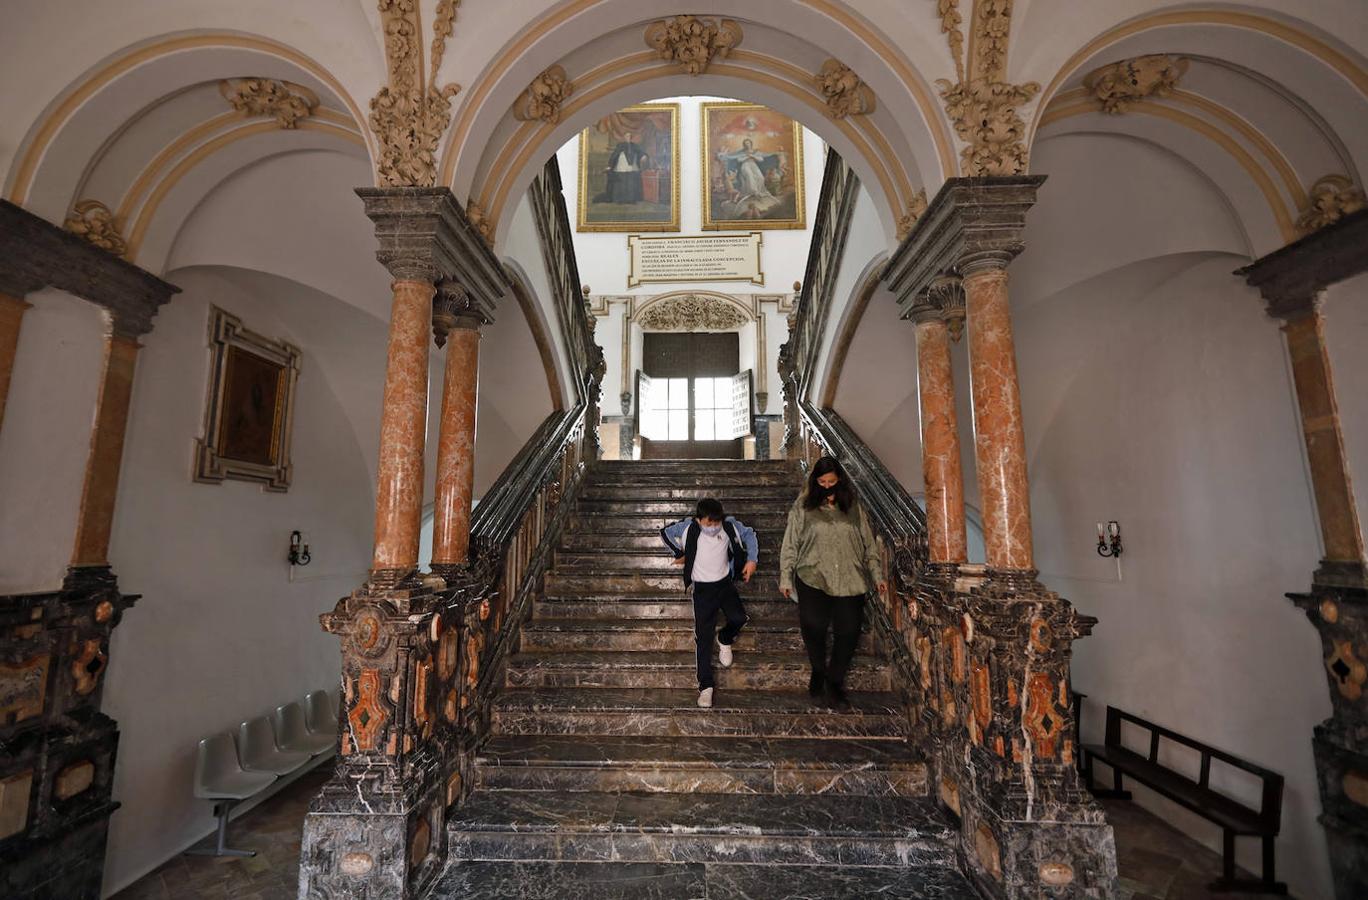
[{"x": 1235, "y": 818}]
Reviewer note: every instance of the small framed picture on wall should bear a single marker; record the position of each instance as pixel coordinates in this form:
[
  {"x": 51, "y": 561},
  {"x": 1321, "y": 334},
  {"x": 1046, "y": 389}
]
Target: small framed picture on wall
[{"x": 249, "y": 409}]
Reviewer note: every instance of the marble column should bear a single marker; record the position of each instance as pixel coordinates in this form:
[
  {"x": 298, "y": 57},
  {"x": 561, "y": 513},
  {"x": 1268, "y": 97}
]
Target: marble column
[
  {"x": 96, "y": 517},
  {"x": 459, "y": 330},
  {"x": 999, "y": 441},
  {"x": 1320, "y": 419},
  {"x": 939, "y": 428},
  {"x": 11, "y": 315},
  {"x": 403, "y": 425}
]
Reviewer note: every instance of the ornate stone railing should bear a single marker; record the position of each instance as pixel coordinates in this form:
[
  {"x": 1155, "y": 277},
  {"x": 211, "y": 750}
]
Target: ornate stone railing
[{"x": 422, "y": 658}]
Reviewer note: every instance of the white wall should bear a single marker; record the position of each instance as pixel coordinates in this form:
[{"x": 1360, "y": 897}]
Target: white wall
[
  {"x": 221, "y": 634},
  {"x": 603, "y": 259}
]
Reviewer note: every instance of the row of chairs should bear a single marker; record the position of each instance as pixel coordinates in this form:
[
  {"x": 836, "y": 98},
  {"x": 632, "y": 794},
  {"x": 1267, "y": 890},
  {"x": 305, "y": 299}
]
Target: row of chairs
[{"x": 229, "y": 771}]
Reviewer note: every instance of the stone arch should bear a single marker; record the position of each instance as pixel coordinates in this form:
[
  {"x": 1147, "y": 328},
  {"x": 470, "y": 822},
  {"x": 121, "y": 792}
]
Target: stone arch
[{"x": 693, "y": 311}]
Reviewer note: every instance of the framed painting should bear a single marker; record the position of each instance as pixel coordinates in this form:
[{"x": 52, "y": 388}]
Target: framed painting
[
  {"x": 753, "y": 165},
  {"x": 249, "y": 409},
  {"x": 629, "y": 170}
]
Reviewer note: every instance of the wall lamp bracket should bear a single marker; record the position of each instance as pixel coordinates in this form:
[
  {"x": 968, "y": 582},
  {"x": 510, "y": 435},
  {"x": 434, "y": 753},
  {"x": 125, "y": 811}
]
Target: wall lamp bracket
[
  {"x": 299, "y": 551},
  {"x": 1109, "y": 539}
]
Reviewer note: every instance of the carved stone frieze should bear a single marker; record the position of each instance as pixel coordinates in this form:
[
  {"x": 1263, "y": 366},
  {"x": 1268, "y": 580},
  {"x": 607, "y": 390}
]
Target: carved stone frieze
[
  {"x": 410, "y": 113},
  {"x": 1330, "y": 199},
  {"x": 691, "y": 42},
  {"x": 94, "y": 223},
  {"x": 691, "y": 312},
  {"x": 1118, "y": 85},
  {"x": 992, "y": 31},
  {"x": 543, "y": 98},
  {"x": 283, "y": 101},
  {"x": 915, "y": 207},
  {"x": 950, "y": 22},
  {"x": 985, "y": 117},
  {"x": 846, "y": 94}
]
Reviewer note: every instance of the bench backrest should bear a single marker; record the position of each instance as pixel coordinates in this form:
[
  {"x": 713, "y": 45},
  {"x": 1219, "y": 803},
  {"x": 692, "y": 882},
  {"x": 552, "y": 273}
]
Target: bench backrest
[{"x": 1270, "y": 807}]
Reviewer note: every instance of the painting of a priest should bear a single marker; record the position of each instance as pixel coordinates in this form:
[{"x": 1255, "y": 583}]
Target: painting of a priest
[
  {"x": 624, "y": 172},
  {"x": 628, "y": 176}
]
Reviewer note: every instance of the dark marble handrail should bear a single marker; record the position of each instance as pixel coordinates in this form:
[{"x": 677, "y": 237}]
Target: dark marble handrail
[{"x": 501, "y": 509}]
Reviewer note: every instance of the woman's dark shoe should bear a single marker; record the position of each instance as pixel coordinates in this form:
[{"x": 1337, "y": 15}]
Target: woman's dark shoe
[
  {"x": 815, "y": 685},
  {"x": 836, "y": 696}
]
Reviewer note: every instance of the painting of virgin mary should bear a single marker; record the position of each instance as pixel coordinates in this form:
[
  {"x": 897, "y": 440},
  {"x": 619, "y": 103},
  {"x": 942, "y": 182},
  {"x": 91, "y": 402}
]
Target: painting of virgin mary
[{"x": 753, "y": 158}]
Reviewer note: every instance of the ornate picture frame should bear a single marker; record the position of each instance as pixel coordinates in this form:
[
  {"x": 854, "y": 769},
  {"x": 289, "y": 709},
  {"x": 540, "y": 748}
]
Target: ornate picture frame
[
  {"x": 249, "y": 407},
  {"x": 752, "y": 168},
  {"x": 641, "y": 141}
]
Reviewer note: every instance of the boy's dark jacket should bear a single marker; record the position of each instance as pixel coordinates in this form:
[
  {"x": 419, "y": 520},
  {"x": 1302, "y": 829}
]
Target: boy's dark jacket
[{"x": 741, "y": 544}]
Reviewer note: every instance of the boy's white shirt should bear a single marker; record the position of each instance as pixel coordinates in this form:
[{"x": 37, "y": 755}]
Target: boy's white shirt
[{"x": 710, "y": 559}]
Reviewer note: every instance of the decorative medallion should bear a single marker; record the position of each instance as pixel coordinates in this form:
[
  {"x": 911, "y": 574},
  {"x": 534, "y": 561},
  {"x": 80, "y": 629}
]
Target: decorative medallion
[
  {"x": 692, "y": 43},
  {"x": 1330, "y": 199},
  {"x": 1123, "y": 83},
  {"x": 915, "y": 207},
  {"x": 1346, "y": 670},
  {"x": 88, "y": 665},
  {"x": 543, "y": 98},
  {"x": 1056, "y": 874},
  {"x": 283, "y": 101},
  {"x": 94, "y": 223},
  {"x": 845, "y": 93},
  {"x": 104, "y": 611},
  {"x": 356, "y": 864}
]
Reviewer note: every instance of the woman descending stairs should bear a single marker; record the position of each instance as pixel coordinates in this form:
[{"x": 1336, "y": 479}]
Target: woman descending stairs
[{"x": 604, "y": 778}]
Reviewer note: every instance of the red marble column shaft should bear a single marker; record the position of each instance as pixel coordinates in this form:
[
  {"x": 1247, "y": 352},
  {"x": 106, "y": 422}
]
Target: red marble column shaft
[
  {"x": 96, "y": 518},
  {"x": 11, "y": 315},
  {"x": 1330, "y": 479},
  {"x": 940, "y": 444},
  {"x": 403, "y": 424},
  {"x": 999, "y": 441},
  {"x": 456, "y": 448}
]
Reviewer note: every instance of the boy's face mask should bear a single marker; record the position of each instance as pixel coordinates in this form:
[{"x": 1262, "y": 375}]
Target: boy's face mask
[{"x": 710, "y": 529}]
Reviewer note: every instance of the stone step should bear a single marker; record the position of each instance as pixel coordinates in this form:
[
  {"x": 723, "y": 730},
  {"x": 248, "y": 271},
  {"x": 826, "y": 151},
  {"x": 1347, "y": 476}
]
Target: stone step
[
  {"x": 702, "y": 765},
  {"x": 646, "y": 541},
  {"x": 548, "y": 880},
  {"x": 657, "y": 560},
  {"x": 645, "y": 635},
  {"x": 767, "y": 525},
  {"x": 568, "y": 585},
  {"x": 672, "y": 510},
  {"x": 623, "y": 607},
  {"x": 701, "y": 480},
  {"x": 690, "y": 466},
  {"x": 739, "y": 496},
  {"x": 696, "y": 827},
  {"x": 765, "y": 670},
  {"x": 659, "y": 712}
]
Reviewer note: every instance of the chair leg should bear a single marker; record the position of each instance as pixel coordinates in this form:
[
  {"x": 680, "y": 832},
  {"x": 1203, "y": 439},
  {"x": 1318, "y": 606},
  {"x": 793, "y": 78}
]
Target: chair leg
[
  {"x": 1228, "y": 882},
  {"x": 221, "y": 848},
  {"x": 1228, "y": 855}
]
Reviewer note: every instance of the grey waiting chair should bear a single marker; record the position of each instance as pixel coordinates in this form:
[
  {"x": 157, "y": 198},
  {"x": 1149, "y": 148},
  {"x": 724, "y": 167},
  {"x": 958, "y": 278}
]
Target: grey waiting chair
[
  {"x": 293, "y": 736},
  {"x": 256, "y": 742},
  {"x": 321, "y": 713},
  {"x": 220, "y": 777}
]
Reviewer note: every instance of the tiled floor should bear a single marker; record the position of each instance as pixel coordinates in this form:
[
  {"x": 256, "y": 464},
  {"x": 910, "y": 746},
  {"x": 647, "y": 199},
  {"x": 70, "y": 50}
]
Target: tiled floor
[{"x": 1156, "y": 862}]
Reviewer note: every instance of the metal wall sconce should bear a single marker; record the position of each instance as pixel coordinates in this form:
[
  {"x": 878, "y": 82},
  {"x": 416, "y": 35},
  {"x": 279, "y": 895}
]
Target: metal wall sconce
[
  {"x": 1109, "y": 539},
  {"x": 299, "y": 551}
]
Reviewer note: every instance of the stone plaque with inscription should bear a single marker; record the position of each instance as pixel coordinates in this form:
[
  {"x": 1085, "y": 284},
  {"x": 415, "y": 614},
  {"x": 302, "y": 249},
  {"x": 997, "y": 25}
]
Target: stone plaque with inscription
[{"x": 722, "y": 257}]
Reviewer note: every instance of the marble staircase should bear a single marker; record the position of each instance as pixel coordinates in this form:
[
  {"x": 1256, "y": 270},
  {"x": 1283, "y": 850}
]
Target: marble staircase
[{"x": 603, "y": 778}]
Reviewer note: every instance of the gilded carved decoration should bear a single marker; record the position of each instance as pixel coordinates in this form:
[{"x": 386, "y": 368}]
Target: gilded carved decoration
[
  {"x": 283, "y": 101},
  {"x": 94, "y": 222},
  {"x": 951, "y": 20},
  {"x": 846, "y": 94},
  {"x": 1330, "y": 199},
  {"x": 543, "y": 98},
  {"x": 1120, "y": 84},
  {"x": 983, "y": 106},
  {"x": 410, "y": 113},
  {"x": 915, "y": 207},
  {"x": 692, "y": 43},
  {"x": 691, "y": 313},
  {"x": 475, "y": 214}
]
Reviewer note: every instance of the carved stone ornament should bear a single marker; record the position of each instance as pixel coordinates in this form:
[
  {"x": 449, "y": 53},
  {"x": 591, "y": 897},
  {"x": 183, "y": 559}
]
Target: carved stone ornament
[
  {"x": 1330, "y": 199},
  {"x": 950, "y": 22},
  {"x": 992, "y": 30},
  {"x": 915, "y": 207},
  {"x": 543, "y": 98},
  {"x": 846, "y": 95},
  {"x": 475, "y": 214},
  {"x": 693, "y": 43},
  {"x": 986, "y": 119},
  {"x": 691, "y": 312},
  {"x": 1122, "y": 83},
  {"x": 410, "y": 114},
  {"x": 287, "y": 103},
  {"x": 92, "y": 221}
]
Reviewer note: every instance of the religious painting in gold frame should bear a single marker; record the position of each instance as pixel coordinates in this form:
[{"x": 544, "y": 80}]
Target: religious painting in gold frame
[
  {"x": 753, "y": 168},
  {"x": 629, "y": 170},
  {"x": 249, "y": 408}
]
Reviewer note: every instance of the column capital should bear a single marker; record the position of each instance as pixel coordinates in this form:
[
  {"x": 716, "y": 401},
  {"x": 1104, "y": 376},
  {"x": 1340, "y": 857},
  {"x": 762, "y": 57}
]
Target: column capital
[
  {"x": 942, "y": 300},
  {"x": 454, "y": 307},
  {"x": 971, "y": 223},
  {"x": 425, "y": 235},
  {"x": 35, "y": 254},
  {"x": 1292, "y": 279}
]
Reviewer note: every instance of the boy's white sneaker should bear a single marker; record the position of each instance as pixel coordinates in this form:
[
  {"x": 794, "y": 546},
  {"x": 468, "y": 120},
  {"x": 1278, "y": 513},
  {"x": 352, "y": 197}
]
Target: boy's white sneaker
[
  {"x": 724, "y": 655},
  {"x": 705, "y": 698}
]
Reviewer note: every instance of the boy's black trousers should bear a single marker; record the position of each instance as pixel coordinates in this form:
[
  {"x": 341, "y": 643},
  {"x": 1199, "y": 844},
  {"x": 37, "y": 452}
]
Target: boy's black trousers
[{"x": 708, "y": 598}]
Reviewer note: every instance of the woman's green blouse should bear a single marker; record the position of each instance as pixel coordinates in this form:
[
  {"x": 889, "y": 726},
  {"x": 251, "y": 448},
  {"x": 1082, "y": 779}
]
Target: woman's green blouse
[{"x": 830, "y": 550}]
